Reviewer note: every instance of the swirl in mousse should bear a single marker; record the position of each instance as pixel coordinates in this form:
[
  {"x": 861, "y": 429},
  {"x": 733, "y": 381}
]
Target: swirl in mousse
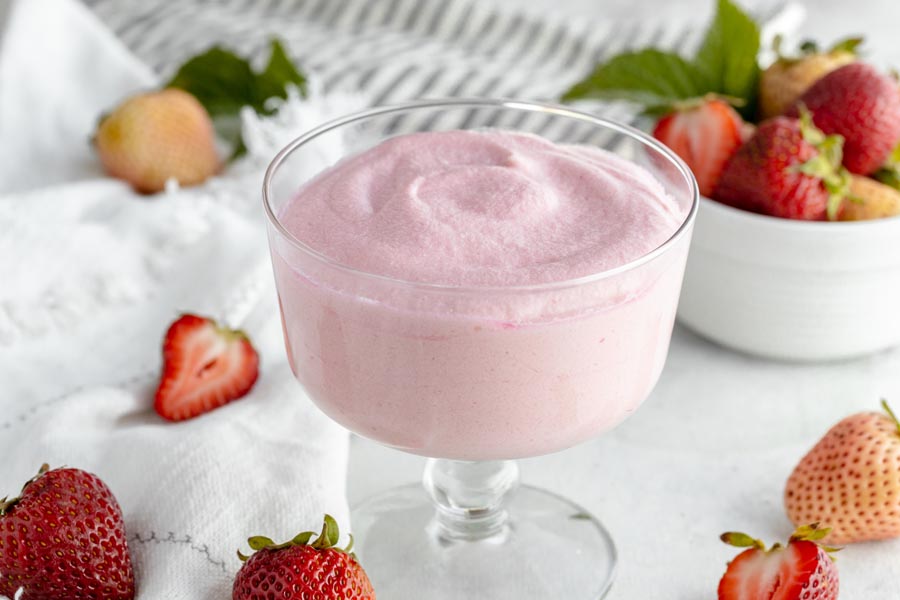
[{"x": 461, "y": 294}]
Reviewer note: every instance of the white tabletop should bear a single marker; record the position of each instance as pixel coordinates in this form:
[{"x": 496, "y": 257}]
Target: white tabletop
[{"x": 713, "y": 445}]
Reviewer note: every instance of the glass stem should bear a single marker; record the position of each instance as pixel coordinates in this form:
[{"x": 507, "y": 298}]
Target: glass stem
[{"x": 470, "y": 497}]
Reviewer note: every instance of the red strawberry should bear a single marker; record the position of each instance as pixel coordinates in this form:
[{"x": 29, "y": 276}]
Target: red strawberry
[
  {"x": 851, "y": 479},
  {"x": 788, "y": 169},
  {"x": 64, "y": 538},
  {"x": 299, "y": 569},
  {"x": 704, "y": 134},
  {"x": 802, "y": 570},
  {"x": 861, "y": 104},
  {"x": 204, "y": 367}
]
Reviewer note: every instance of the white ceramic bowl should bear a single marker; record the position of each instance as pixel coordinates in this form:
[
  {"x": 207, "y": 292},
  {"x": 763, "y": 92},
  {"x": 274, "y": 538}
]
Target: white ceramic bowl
[{"x": 793, "y": 290}]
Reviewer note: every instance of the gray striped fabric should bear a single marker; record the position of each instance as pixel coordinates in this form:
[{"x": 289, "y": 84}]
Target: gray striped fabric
[{"x": 396, "y": 50}]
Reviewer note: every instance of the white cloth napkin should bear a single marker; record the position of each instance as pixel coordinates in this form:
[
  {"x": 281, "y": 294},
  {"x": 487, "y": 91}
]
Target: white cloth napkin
[{"x": 90, "y": 276}]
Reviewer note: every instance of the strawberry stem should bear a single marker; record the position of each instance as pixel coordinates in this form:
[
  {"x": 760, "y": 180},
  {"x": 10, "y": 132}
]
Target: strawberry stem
[
  {"x": 887, "y": 409},
  {"x": 7, "y": 503}
]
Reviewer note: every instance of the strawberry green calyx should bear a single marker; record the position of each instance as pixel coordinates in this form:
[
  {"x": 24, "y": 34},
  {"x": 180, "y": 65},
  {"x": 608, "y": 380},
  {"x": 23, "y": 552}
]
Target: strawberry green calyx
[
  {"x": 889, "y": 173},
  {"x": 806, "y": 533},
  {"x": 7, "y": 503},
  {"x": 810, "y": 47},
  {"x": 826, "y": 165},
  {"x": 810, "y": 533},
  {"x": 696, "y": 102},
  {"x": 891, "y": 414},
  {"x": 742, "y": 540},
  {"x": 226, "y": 332},
  {"x": 815, "y": 534},
  {"x": 327, "y": 540}
]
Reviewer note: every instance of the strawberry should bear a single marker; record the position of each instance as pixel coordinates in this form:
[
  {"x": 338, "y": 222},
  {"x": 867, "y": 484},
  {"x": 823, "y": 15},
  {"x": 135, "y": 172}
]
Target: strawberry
[
  {"x": 787, "y": 78},
  {"x": 802, "y": 570},
  {"x": 153, "y": 137},
  {"x": 204, "y": 367},
  {"x": 299, "y": 569},
  {"x": 788, "y": 169},
  {"x": 704, "y": 133},
  {"x": 869, "y": 199},
  {"x": 64, "y": 537},
  {"x": 851, "y": 479},
  {"x": 862, "y": 105}
]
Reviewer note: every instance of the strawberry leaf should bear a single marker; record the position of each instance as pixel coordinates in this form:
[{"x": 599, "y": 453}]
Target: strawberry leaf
[
  {"x": 224, "y": 82},
  {"x": 273, "y": 81},
  {"x": 649, "y": 77},
  {"x": 728, "y": 53},
  {"x": 725, "y": 66}
]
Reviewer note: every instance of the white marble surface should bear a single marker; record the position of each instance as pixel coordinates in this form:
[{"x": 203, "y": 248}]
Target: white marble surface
[{"x": 713, "y": 445}]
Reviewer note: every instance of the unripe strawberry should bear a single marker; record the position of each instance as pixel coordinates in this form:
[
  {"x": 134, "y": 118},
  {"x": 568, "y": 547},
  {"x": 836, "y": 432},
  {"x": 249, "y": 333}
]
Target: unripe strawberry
[
  {"x": 153, "y": 137},
  {"x": 788, "y": 78},
  {"x": 869, "y": 199},
  {"x": 850, "y": 480}
]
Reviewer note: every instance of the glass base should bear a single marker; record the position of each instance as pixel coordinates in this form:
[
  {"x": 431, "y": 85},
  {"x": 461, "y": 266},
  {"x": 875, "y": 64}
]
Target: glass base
[{"x": 548, "y": 548}]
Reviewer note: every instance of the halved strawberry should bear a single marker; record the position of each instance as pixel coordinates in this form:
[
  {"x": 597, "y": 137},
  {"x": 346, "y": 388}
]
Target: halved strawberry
[
  {"x": 802, "y": 570},
  {"x": 704, "y": 133},
  {"x": 204, "y": 367}
]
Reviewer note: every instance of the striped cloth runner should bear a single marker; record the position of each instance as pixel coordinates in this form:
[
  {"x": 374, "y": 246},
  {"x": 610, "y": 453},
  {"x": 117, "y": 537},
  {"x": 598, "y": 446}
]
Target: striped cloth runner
[{"x": 397, "y": 50}]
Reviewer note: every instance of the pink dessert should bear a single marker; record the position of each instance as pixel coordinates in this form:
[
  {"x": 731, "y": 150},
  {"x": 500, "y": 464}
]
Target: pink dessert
[{"x": 463, "y": 297}]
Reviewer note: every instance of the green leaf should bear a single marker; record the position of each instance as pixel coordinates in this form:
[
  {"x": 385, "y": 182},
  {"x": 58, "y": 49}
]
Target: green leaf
[
  {"x": 649, "y": 77},
  {"x": 274, "y": 79},
  {"x": 224, "y": 82},
  {"x": 728, "y": 54}
]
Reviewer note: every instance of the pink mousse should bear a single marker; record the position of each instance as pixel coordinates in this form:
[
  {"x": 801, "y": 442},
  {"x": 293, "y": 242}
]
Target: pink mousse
[
  {"x": 489, "y": 371},
  {"x": 484, "y": 208}
]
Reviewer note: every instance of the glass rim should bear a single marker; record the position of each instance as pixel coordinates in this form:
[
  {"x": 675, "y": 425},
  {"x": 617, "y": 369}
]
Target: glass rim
[{"x": 533, "y": 106}]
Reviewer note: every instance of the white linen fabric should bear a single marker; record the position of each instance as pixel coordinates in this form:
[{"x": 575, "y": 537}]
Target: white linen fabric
[{"x": 91, "y": 274}]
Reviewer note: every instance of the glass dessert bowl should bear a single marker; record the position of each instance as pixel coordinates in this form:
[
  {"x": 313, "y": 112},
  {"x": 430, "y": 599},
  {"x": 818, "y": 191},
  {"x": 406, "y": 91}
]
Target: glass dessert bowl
[{"x": 515, "y": 297}]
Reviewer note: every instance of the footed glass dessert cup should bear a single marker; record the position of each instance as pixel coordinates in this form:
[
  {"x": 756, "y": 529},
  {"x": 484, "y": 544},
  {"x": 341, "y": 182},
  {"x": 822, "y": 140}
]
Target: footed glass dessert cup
[{"x": 474, "y": 377}]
